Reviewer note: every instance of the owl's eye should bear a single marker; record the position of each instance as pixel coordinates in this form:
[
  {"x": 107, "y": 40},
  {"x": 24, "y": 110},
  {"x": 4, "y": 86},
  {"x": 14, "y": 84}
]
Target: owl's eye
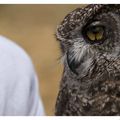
[{"x": 94, "y": 33}]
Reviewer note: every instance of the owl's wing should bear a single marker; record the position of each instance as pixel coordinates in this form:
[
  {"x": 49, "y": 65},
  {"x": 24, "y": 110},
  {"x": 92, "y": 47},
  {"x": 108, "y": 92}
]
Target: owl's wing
[{"x": 61, "y": 102}]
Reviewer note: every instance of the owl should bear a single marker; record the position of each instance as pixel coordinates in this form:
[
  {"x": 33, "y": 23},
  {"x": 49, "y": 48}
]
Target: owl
[{"x": 90, "y": 44}]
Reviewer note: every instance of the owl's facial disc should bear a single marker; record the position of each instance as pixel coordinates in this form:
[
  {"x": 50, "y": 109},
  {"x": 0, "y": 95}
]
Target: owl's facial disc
[
  {"x": 79, "y": 55},
  {"x": 95, "y": 39},
  {"x": 94, "y": 32},
  {"x": 86, "y": 39}
]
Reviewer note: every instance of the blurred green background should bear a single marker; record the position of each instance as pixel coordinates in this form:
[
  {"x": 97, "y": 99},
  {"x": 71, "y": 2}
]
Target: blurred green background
[{"x": 33, "y": 28}]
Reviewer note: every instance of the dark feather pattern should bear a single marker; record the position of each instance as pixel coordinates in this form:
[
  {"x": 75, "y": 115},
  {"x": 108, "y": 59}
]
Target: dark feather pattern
[{"x": 90, "y": 84}]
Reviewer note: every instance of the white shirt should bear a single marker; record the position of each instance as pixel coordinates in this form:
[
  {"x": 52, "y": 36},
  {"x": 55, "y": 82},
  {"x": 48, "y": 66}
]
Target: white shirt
[{"x": 18, "y": 82}]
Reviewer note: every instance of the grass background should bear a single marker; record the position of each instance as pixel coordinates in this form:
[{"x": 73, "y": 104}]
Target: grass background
[{"x": 33, "y": 28}]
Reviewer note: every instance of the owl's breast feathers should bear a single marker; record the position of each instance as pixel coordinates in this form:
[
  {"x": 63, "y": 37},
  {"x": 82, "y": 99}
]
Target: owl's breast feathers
[
  {"x": 103, "y": 99},
  {"x": 97, "y": 94}
]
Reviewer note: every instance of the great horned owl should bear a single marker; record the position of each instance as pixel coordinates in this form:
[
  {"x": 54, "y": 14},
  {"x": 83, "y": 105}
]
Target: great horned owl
[{"x": 90, "y": 42}]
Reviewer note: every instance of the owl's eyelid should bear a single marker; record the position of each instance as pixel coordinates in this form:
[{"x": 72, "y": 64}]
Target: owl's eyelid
[{"x": 96, "y": 23}]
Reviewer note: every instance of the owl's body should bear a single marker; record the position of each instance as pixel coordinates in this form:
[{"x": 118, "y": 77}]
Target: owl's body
[{"x": 90, "y": 43}]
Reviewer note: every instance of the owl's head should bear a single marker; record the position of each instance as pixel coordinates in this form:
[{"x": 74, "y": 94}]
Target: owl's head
[{"x": 90, "y": 37}]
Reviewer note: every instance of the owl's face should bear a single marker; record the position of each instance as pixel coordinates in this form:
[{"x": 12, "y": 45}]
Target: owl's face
[{"x": 91, "y": 35}]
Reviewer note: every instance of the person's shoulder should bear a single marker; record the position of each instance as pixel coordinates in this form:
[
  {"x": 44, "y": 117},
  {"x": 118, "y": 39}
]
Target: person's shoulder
[
  {"x": 14, "y": 50},
  {"x": 12, "y": 54}
]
